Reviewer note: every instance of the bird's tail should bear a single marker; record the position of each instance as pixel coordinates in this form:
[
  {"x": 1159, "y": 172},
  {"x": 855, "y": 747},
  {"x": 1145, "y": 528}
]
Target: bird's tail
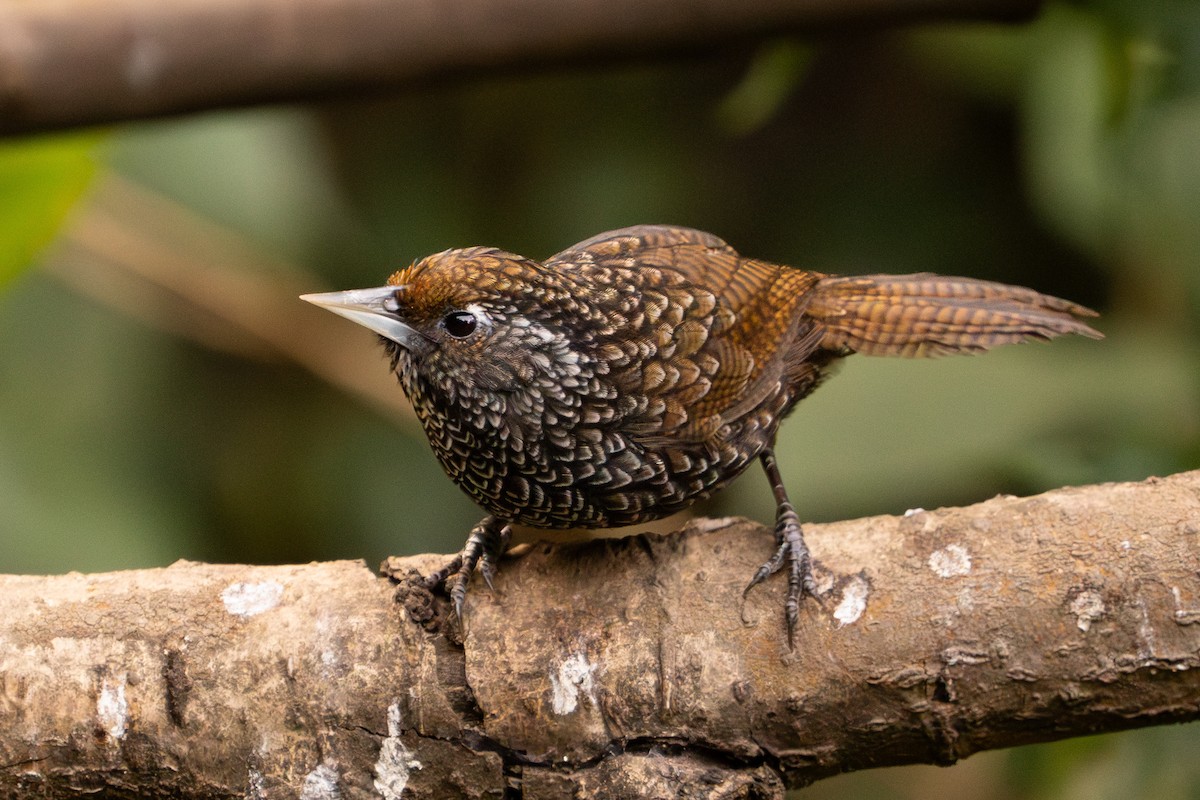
[{"x": 928, "y": 315}]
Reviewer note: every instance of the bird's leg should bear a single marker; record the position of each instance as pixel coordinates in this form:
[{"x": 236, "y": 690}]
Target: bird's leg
[
  {"x": 486, "y": 543},
  {"x": 791, "y": 549}
]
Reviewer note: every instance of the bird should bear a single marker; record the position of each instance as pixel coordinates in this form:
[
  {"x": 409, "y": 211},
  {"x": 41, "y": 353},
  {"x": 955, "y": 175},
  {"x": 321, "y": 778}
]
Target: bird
[{"x": 644, "y": 369}]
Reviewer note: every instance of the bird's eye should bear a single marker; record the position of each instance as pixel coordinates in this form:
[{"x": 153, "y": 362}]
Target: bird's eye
[{"x": 459, "y": 324}]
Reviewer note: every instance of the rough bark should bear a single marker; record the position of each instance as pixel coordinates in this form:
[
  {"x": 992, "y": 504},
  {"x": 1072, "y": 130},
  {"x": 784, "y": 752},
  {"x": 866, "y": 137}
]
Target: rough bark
[
  {"x": 613, "y": 668},
  {"x": 73, "y": 62}
]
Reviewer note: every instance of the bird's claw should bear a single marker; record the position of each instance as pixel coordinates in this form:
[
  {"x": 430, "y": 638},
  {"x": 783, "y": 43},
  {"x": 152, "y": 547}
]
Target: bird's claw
[
  {"x": 485, "y": 544},
  {"x": 793, "y": 551},
  {"x": 435, "y": 580},
  {"x": 769, "y": 568},
  {"x": 489, "y": 559}
]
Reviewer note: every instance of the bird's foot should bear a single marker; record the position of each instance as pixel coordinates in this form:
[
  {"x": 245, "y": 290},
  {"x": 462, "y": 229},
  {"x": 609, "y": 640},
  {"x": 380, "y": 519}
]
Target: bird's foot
[
  {"x": 793, "y": 551},
  {"x": 486, "y": 543}
]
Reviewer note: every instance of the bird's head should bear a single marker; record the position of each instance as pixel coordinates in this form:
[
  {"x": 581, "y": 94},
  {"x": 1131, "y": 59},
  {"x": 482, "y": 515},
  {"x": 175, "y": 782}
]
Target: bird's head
[{"x": 471, "y": 320}]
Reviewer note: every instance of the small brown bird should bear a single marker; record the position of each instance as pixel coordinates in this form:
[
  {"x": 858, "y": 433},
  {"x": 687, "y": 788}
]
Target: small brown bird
[{"x": 644, "y": 369}]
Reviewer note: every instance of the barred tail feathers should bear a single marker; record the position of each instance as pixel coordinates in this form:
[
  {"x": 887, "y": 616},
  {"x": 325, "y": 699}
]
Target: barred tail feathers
[{"x": 929, "y": 315}]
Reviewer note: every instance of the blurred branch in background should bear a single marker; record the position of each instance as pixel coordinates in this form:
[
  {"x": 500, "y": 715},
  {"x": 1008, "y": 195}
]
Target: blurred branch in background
[
  {"x": 76, "y": 62},
  {"x": 156, "y": 260}
]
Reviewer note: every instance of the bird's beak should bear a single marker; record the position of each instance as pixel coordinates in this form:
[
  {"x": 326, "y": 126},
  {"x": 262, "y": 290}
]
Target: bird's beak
[{"x": 369, "y": 308}]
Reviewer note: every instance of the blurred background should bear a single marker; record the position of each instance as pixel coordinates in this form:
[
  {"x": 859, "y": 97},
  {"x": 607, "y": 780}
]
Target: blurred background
[{"x": 164, "y": 395}]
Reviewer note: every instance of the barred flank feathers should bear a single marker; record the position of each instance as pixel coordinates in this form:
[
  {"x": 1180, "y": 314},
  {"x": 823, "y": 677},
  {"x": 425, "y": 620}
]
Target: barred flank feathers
[{"x": 929, "y": 315}]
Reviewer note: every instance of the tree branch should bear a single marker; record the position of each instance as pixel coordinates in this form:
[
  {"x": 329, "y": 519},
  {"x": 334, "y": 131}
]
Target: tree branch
[
  {"x": 616, "y": 666},
  {"x": 75, "y": 62}
]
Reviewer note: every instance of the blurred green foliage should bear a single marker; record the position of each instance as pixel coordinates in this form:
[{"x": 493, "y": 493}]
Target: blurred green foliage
[
  {"x": 40, "y": 179},
  {"x": 1063, "y": 154}
]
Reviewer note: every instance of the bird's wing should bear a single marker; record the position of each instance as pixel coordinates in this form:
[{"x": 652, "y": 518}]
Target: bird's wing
[{"x": 699, "y": 336}]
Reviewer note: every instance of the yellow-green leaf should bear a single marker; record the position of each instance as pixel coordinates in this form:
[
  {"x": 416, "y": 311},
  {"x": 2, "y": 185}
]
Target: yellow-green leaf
[{"x": 40, "y": 179}]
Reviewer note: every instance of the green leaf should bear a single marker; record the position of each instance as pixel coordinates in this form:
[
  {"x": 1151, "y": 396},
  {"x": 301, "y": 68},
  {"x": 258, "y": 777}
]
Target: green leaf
[
  {"x": 773, "y": 75},
  {"x": 40, "y": 180}
]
